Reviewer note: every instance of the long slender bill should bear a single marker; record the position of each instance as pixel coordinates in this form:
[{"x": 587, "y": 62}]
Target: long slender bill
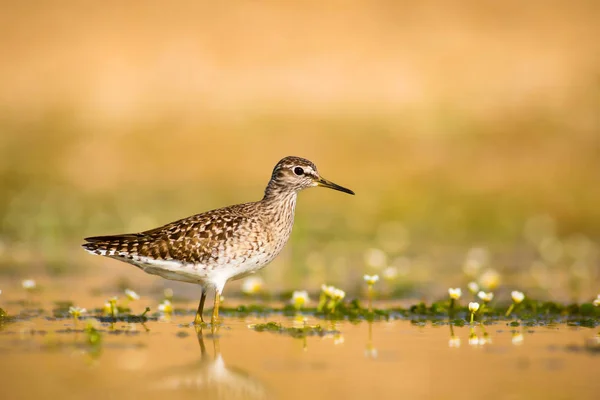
[{"x": 331, "y": 185}]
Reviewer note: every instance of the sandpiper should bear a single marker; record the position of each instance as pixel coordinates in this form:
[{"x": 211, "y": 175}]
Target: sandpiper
[{"x": 217, "y": 246}]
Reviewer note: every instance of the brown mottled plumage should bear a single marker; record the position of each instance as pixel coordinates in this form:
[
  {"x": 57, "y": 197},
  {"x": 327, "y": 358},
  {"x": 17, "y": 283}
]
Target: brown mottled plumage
[{"x": 219, "y": 245}]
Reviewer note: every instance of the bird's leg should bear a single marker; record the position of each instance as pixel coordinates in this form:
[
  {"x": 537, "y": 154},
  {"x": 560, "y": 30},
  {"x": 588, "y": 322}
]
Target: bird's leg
[
  {"x": 215, "y": 315},
  {"x": 199, "y": 320}
]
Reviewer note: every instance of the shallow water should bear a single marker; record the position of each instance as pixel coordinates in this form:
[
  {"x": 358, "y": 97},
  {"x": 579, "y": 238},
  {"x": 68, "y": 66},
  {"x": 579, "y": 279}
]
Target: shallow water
[{"x": 43, "y": 357}]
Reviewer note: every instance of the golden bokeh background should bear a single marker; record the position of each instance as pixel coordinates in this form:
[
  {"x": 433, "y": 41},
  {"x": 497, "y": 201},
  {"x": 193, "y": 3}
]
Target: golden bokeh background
[{"x": 470, "y": 132}]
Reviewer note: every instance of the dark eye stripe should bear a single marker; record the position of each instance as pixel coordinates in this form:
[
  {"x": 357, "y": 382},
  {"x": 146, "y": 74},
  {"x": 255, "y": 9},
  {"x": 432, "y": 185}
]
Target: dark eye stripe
[{"x": 298, "y": 171}]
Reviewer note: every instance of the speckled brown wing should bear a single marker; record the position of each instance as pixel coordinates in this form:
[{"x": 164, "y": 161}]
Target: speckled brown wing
[{"x": 194, "y": 240}]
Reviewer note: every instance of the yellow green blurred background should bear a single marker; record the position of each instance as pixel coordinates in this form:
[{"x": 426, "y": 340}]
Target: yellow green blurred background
[{"x": 470, "y": 132}]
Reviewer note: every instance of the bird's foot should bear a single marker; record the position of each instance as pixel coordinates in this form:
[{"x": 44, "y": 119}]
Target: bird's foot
[
  {"x": 199, "y": 325},
  {"x": 215, "y": 324},
  {"x": 198, "y": 320}
]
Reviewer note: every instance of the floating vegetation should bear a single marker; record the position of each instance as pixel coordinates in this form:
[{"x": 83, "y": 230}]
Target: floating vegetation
[
  {"x": 257, "y": 310},
  {"x": 126, "y": 318},
  {"x": 528, "y": 313},
  {"x": 295, "y": 332},
  {"x": 5, "y": 318},
  {"x": 65, "y": 310}
]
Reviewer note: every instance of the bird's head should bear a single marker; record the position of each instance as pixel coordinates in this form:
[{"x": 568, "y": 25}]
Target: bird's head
[{"x": 295, "y": 174}]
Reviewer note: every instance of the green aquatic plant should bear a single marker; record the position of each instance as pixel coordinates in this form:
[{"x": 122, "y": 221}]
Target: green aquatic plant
[
  {"x": 370, "y": 279},
  {"x": 517, "y": 298},
  {"x": 584, "y": 322},
  {"x": 473, "y": 307},
  {"x": 245, "y": 310},
  {"x": 455, "y": 294},
  {"x": 299, "y": 299},
  {"x": 5, "y": 319},
  {"x": 295, "y": 332},
  {"x": 110, "y": 307},
  {"x": 113, "y": 308},
  {"x": 331, "y": 307},
  {"x": 330, "y": 298},
  {"x": 76, "y": 312},
  {"x": 485, "y": 298}
]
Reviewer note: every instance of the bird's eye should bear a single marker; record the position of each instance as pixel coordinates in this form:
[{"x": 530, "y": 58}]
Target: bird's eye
[{"x": 298, "y": 171}]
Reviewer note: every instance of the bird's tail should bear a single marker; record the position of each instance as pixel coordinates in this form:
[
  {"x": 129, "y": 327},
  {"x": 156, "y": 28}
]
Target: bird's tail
[{"x": 114, "y": 245}]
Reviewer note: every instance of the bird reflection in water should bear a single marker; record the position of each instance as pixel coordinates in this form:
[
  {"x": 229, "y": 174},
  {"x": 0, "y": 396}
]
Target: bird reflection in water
[{"x": 210, "y": 376}]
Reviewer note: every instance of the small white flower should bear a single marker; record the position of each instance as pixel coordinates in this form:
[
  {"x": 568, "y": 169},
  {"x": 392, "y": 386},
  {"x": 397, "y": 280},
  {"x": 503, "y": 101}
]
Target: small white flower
[
  {"x": 375, "y": 258},
  {"x": 390, "y": 273},
  {"x": 473, "y": 306},
  {"x": 485, "y": 297},
  {"x": 339, "y": 294},
  {"x": 29, "y": 284},
  {"x": 338, "y": 338},
  {"x": 454, "y": 341},
  {"x": 517, "y": 339},
  {"x": 596, "y": 302},
  {"x": 131, "y": 295},
  {"x": 77, "y": 311},
  {"x": 489, "y": 279},
  {"x": 454, "y": 293},
  {"x": 253, "y": 285},
  {"x": 472, "y": 267},
  {"x": 517, "y": 296},
  {"x": 299, "y": 298},
  {"x": 328, "y": 290},
  {"x": 473, "y": 287},
  {"x": 111, "y": 305},
  {"x": 371, "y": 279},
  {"x": 165, "y": 307}
]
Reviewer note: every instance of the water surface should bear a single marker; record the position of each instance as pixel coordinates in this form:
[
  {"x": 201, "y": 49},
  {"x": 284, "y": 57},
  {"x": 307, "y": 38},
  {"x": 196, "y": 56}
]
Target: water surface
[{"x": 42, "y": 357}]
